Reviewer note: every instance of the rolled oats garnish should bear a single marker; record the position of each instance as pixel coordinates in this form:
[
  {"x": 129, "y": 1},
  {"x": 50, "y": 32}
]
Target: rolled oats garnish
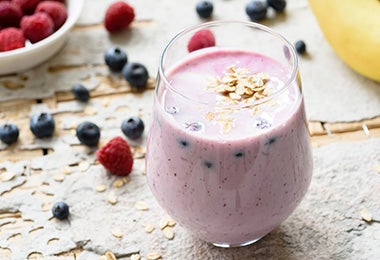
[
  {"x": 135, "y": 257},
  {"x": 210, "y": 116},
  {"x": 366, "y": 215},
  {"x": 101, "y": 188},
  {"x": 239, "y": 84},
  {"x": 163, "y": 222},
  {"x": 141, "y": 205},
  {"x": 126, "y": 179},
  {"x": 168, "y": 232},
  {"x": 153, "y": 256},
  {"x": 149, "y": 228},
  {"x": 235, "y": 86},
  {"x": 117, "y": 233}
]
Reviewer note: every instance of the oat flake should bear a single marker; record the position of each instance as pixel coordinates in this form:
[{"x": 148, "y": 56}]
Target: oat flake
[
  {"x": 141, "y": 205},
  {"x": 168, "y": 232},
  {"x": 153, "y": 256},
  {"x": 118, "y": 183},
  {"x": 135, "y": 257},
  {"x": 101, "y": 188},
  {"x": 117, "y": 233},
  {"x": 149, "y": 228},
  {"x": 366, "y": 215}
]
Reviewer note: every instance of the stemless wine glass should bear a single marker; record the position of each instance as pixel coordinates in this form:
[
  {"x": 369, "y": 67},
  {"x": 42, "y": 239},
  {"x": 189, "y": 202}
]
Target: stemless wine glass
[{"x": 228, "y": 154}]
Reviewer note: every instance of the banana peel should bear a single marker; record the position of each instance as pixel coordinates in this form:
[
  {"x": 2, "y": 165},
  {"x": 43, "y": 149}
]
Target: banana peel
[{"x": 352, "y": 28}]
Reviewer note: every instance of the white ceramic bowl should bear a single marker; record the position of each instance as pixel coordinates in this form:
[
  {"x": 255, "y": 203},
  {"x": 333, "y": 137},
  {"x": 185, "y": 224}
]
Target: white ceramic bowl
[{"x": 33, "y": 54}]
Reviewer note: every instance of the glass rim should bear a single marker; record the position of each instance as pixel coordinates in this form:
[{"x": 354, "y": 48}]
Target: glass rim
[{"x": 287, "y": 43}]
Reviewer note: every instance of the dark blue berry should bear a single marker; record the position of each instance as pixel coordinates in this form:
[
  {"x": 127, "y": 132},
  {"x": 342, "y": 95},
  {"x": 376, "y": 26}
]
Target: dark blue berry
[
  {"x": 256, "y": 10},
  {"x": 183, "y": 142},
  {"x": 133, "y": 127},
  {"x": 136, "y": 74},
  {"x": 42, "y": 125},
  {"x": 270, "y": 141},
  {"x": 115, "y": 58},
  {"x": 208, "y": 164},
  {"x": 300, "y": 46},
  {"x": 60, "y": 210},
  {"x": 277, "y": 5},
  {"x": 239, "y": 154},
  {"x": 204, "y": 9},
  {"x": 80, "y": 92},
  {"x": 88, "y": 133},
  {"x": 9, "y": 133}
]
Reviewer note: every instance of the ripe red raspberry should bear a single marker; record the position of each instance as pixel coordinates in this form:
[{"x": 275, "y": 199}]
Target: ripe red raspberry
[
  {"x": 201, "y": 39},
  {"x": 116, "y": 157},
  {"x": 56, "y": 10},
  {"x": 11, "y": 38},
  {"x": 37, "y": 26},
  {"x": 10, "y": 14},
  {"x": 27, "y": 6},
  {"x": 119, "y": 16}
]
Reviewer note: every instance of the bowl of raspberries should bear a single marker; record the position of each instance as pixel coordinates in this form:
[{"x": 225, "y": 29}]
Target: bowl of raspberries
[{"x": 31, "y": 31}]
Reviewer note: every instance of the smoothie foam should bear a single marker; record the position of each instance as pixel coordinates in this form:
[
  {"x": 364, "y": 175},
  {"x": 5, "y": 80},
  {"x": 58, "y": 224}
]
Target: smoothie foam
[{"x": 229, "y": 184}]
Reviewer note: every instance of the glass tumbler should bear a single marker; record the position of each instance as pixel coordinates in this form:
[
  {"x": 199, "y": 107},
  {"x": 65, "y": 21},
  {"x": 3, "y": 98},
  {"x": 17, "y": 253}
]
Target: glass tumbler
[{"x": 228, "y": 153}]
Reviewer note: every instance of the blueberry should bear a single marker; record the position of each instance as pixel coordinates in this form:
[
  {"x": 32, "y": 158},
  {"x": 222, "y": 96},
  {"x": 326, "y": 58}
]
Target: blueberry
[
  {"x": 80, "y": 92},
  {"x": 115, "y": 58},
  {"x": 256, "y": 10},
  {"x": 136, "y": 74},
  {"x": 183, "y": 142},
  {"x": 300, "y": 46},
  {"x": 278, "y": 5},
  {"x": 204, "y": 9},
  {"x": 88, "y": 133},
  {"x": 133, "y": 127},
  {"x": 60, "y": 210},
  {"x": 270, "y": 141},
  {"x": 9, "y": 133},
  {"x": 239, "y": 154},
  {"x": 42, "y": 125},
  {"x": 208, "y": 164}
]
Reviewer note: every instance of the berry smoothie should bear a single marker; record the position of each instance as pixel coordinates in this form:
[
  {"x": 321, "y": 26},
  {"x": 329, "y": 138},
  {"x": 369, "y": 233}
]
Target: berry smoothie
[{"x": 228, "y": 165}]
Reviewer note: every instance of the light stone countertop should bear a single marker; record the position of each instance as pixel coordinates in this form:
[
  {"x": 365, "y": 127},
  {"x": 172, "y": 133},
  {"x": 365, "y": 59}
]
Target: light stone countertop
[{"x": 329, "y": 224}]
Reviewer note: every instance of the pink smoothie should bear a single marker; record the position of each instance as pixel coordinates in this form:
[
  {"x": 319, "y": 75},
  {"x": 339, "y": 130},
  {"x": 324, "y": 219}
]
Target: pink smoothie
[{"x": 228, "y": 186}]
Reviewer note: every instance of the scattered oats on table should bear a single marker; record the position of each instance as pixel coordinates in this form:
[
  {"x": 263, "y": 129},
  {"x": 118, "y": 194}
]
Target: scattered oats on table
[
  {"x": 168, "y": 232},
  {"x": 141, "y": 205},
  {"x": 366, "y": 215},
  {"x": 149, "y": 228},
  {"x": 153, "y": 256},
  {"x": 117, "y": 233},
  {"x": 112, "y": 199},
  {"x": 101, "y": 188}
]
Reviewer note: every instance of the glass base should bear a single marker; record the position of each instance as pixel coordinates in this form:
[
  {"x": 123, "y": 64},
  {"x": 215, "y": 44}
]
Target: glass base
[{"x": 223, "y": 245}]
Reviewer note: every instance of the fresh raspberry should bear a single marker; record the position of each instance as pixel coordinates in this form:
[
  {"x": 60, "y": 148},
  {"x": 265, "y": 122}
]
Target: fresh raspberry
[
  {"x": 119, "y": 16},
  {"x": 56, "y": 10},
  {"x": 27, "y": 6},
  {"x": 11, "y": 38},
  {"x": 116, "y": 157},
  {"x": 201, "y": 39},
  {"x": 37, "y": 26},
  {"x": 10, "y": 14}
]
